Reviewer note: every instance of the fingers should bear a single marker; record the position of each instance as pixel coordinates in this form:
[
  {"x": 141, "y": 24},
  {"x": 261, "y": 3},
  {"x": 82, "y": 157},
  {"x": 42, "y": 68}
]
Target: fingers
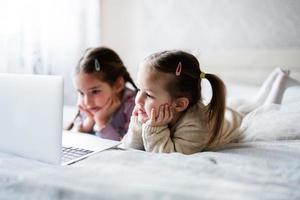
[
  {"x": 161, "y": 113},
  {"x": 165, "y": 112},
  {"x": 168, "y": 114},
  {"x": 89, "y": 114},
  {"x": 112, "y": 104},
  {"x": 103, "y": 115},
  {"x": 82, "y": 109},
  {"x": 152, "y": 119},
  {"x": 79, "y": 105},
  {"x": 108, "y": 103},
  {"x": 164, "y": 116}
]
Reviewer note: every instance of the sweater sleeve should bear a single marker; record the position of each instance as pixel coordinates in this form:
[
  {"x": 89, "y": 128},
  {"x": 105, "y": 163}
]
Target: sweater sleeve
[
  {"x": 157, "y": 139},
  {"x": 133, "y": 138},
  {"x": 187, "y": 138}
]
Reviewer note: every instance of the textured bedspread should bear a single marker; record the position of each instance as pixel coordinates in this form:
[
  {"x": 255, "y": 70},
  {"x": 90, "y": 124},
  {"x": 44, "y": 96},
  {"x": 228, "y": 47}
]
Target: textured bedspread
[{"x": 255, "y": 170}]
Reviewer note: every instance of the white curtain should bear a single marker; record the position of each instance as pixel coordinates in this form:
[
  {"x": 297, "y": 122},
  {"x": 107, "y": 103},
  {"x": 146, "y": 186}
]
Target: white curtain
[{"x": 47, "y": 36}]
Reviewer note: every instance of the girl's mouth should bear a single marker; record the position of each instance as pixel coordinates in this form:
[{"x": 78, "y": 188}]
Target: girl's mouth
[
  {"x": 142, "y": 112},
  {"x": 95, "y": 109}
]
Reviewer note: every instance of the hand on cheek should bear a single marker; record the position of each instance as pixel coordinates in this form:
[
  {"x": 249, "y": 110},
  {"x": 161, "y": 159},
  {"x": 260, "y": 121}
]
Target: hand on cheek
[
  {"x": 163, "y": 117},
  {"x": 83, "y": 110},
  {"x": 105, "y": 113},
  {"x": 87, "y": 124}
]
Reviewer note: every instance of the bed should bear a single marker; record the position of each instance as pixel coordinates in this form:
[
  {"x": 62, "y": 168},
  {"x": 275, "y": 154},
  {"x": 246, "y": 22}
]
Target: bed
[
  {"x": 254, "y": 170},
  {"x": 261, "y": 169}
]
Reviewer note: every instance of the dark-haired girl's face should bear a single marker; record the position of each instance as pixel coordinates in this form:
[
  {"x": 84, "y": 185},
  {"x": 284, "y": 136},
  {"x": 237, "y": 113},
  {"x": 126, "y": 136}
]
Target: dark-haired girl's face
[{"x": 93, "y": 93}]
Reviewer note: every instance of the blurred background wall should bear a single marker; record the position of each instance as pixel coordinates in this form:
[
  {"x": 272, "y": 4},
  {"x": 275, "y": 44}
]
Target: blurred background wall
[{"x": 240, "y": 40}]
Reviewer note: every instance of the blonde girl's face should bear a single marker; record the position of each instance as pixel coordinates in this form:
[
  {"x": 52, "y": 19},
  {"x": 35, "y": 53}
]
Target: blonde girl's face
[
  {"x": 93, "y": 93},
  {"x": 152, "y": 93}
]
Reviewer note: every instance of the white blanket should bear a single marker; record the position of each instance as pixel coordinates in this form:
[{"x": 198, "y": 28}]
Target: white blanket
[{"x": 257, "y": 170}]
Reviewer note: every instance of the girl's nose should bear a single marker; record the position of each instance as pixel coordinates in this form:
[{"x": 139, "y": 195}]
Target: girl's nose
[
  {"x": 139, "y": 98},
  {"x": 87, "y": 101}
]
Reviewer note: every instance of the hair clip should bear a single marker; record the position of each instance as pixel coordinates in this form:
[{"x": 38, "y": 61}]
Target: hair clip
[
  {"x": 178, "y": 69},
  {"x": 202, "y": 75},
  {"x": 97, "y": 65}
]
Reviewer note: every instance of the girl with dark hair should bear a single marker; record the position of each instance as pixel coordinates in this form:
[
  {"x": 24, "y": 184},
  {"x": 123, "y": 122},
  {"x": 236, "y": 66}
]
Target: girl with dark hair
[{"x": 105, "y": 103}]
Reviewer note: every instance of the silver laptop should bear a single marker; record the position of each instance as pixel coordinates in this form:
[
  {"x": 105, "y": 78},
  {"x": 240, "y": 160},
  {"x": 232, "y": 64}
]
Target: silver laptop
[{"x": 31, "y": 121}]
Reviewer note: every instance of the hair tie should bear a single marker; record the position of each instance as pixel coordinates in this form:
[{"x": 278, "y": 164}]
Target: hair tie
[
  {"x": 97, "y": 65},
  {"x": 202, "y": 75},
  {"x": 178, "y": 69}
]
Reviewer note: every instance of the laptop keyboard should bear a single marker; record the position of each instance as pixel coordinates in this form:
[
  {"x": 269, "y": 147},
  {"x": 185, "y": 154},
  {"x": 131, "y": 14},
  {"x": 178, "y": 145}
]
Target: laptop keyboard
[{"x": 71, "y": 153}]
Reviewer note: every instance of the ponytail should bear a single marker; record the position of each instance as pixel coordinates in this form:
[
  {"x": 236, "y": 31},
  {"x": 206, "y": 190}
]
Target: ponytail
[{"x": 216, "y": 107}]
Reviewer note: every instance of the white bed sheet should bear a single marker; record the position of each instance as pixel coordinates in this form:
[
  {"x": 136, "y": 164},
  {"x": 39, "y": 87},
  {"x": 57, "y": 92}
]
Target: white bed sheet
[{"x": 255, "y": 170}]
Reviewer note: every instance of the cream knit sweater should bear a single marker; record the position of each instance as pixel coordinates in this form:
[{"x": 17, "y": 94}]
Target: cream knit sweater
[{"x": 189, "y": 135}]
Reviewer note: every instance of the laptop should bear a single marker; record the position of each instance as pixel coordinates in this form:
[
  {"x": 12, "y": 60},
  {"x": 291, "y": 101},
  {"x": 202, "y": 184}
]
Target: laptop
[{"x": 31, "y": 121}]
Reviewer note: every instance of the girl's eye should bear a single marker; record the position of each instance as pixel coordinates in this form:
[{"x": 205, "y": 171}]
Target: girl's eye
[
  {"x": 144, "y": 94},
  {"x": 150, "y": 96},
  {"x": 80, "y": 94},
  {"x": 94, "y": 92}
]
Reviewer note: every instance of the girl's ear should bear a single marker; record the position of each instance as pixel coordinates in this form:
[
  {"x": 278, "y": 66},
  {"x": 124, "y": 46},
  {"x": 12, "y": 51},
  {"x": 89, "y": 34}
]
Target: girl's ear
[
  {"x": 119, "y": 84},
  {"x": 181, "y": 104}
]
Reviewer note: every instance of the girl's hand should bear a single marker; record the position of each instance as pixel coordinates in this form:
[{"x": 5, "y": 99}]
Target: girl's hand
[
  {"x": 105, "y": 113},
  {"x": 165, "y": 116},
  {"x": 88, "y": 123}
]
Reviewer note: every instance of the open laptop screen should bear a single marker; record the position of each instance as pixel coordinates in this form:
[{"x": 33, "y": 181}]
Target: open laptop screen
[{"x": 31, "y": 116}]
